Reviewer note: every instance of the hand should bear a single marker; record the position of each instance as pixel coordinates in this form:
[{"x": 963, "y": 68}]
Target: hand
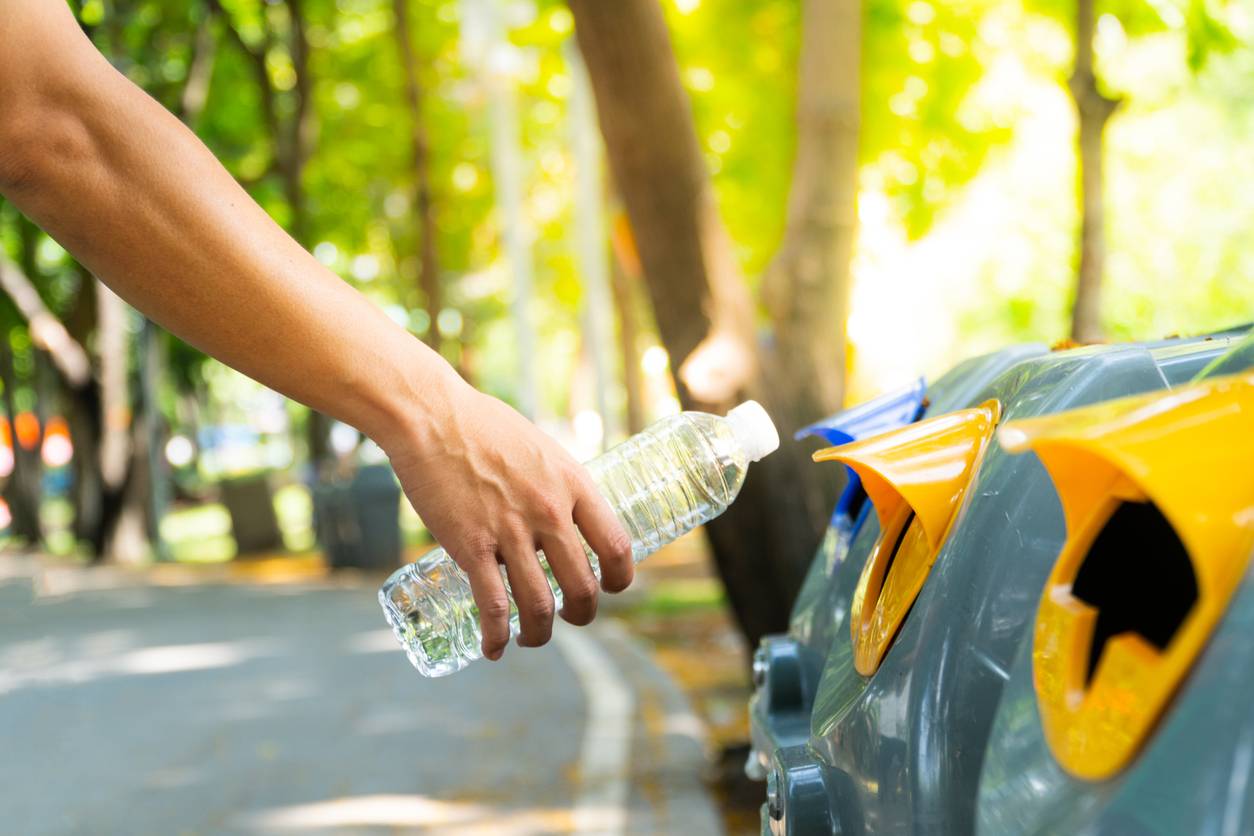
[{"x": 493, "y": 488}]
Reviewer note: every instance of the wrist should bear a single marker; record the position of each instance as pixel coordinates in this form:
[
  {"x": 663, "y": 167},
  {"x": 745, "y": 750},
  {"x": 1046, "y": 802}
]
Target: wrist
[{"x": 413, "y": 398}]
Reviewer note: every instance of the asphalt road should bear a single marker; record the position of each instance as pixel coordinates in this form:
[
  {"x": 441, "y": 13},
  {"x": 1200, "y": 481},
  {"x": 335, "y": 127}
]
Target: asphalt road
[{"x": 245, "y": 708}]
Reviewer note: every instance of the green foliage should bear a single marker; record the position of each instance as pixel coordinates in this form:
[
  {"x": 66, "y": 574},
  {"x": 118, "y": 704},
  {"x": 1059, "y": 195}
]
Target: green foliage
[
  {"x": 1204, "y": 22},
  {"x": 738, "y": 62},
  {"x": 1208, "y": 33},
  {"x": 921, "y": 59},
  {"x": 956, "y": 98}
]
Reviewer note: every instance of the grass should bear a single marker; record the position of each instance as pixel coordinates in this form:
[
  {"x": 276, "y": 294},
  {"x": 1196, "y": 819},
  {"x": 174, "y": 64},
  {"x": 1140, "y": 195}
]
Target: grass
[
  {"x": 294, "y": 508},
  {"x": 680, "y": 597},
  {"x": 199, "y": 534}
]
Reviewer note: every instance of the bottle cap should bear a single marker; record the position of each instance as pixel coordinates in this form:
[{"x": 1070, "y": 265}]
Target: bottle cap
[{"x": 754, "y": 429}]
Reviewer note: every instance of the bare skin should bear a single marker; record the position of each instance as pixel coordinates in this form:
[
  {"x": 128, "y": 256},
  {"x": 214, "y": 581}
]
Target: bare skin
[{"x": 136, "y": 197}]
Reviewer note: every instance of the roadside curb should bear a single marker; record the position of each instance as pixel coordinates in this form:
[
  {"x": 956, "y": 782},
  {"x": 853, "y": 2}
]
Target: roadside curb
[{"x": 670, "y": 752}]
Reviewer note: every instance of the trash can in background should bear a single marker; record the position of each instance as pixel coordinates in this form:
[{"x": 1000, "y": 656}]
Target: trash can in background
[
  {"x": 357, "y": 519},
  {"x": 250, "y": 502}
]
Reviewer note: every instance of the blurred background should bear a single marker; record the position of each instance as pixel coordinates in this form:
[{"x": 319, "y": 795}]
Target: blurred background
[{"x": 603, "y": 213}]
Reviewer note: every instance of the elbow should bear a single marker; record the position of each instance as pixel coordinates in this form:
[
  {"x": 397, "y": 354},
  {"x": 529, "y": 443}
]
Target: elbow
[
  {"x": 16, "y": 155},
  {"x": 40, "y": 146},
  {"x": 47, "y": 70}
]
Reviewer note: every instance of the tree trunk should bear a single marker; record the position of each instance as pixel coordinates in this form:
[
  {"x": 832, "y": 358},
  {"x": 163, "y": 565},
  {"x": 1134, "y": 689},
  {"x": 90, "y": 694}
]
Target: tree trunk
[
  {"x": 118, "y": 452},
  {"x": 292, "y": 146},
  {"x": 765, "y": 542},
  {"x": 293, "y": 141},
  {"x": 292, "y": 163},
  {"x": 1093, "y": 110},
  {"x": 424, "y": 210},
  {"x": 806, "y": 288},
  {"x": 129, "y": 510},
  {"x": 86, "y": 429},
  {"x": 624, "y": 279},
  {"x": 152, "y": 426},
  {"x": 693, "y": 281},
  {"x": 97, "y": 495},
  {"x": 23, "y": 489},
  {"x": 200, "y": 71},
  {"x": 84, "y": 417}
]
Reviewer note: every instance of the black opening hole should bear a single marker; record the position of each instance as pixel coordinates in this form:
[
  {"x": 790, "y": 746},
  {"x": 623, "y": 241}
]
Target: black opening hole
[
  {"x": 892, "y": 556},
  {"x": 856, "y": 502},
  {"x": 888, "y": 567},
  {"x": 1139, "y": 578}
]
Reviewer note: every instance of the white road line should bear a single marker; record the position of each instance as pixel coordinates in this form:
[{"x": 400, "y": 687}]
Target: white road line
[{"x": 605, "y": 757}]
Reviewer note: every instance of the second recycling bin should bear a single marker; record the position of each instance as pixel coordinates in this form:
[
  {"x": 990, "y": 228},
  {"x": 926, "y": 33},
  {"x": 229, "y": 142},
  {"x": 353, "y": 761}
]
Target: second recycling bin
[{"x": 1127, "y": 708}]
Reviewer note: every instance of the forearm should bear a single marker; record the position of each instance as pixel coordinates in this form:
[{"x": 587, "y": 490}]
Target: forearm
[
  {"x": 142, "y": 203},
  {"x": 134, "y": 195}
]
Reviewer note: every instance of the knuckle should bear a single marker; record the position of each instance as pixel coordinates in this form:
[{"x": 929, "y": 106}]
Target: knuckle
[
  {"x": 550, "y": 512},
  {"x": 541, "y": 608},
  {"x": 578, "y": 474},
  {"x": 620, "y": 546},
  {"x": 582, "y": 592},
  {"x": 481, "y": 547},
  {"x": 495, "y": 608}
]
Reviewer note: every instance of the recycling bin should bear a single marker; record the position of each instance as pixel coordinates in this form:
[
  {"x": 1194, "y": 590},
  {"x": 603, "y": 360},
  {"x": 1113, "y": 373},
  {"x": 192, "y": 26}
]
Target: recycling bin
[
  {"x": 947, "y": 585},
  {"x": 787, "y": 667}
]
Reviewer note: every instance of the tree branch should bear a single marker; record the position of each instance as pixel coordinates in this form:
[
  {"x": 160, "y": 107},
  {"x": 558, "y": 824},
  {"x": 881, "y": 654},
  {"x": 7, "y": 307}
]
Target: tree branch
[
  {"x": 200, "y": 73},
  {"x": 250, "y": 182},
  {"x": 301, "y": 125},
  {"x": 424, "y": 210},
  {"x": 46, "y": 331},
  {"x": 261, "y": 73},
  {"x": 1093, "y": 111}
]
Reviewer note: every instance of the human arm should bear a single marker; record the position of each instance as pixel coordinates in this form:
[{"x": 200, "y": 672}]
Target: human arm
[{"x": 132, "y": 193}]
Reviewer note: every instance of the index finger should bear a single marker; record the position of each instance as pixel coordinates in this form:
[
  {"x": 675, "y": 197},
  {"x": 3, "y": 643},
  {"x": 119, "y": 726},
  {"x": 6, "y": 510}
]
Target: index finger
[
  {"x": 494, "y": 605},
  {"x": 607, "y": 537}
]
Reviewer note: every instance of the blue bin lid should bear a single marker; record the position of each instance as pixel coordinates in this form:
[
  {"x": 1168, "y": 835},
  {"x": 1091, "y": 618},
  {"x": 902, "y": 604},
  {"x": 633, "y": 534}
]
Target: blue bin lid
[{"x": 889, "y": 411}]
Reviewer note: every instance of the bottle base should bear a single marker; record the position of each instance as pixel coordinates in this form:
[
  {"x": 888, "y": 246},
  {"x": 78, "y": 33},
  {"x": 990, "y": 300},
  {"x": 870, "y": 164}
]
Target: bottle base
[{"x": 407, "y": 634}]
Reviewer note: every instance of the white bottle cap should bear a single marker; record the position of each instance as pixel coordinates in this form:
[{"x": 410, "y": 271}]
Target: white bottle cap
[{"x": 754, "y": 429}]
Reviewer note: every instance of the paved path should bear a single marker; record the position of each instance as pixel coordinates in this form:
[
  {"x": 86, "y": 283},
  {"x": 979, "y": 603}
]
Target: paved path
[{"x": 245, "y": 708}]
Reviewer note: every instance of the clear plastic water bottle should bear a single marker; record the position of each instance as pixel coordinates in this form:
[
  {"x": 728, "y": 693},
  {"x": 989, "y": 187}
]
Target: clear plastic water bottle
[{"x": 677, "y": 474}]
